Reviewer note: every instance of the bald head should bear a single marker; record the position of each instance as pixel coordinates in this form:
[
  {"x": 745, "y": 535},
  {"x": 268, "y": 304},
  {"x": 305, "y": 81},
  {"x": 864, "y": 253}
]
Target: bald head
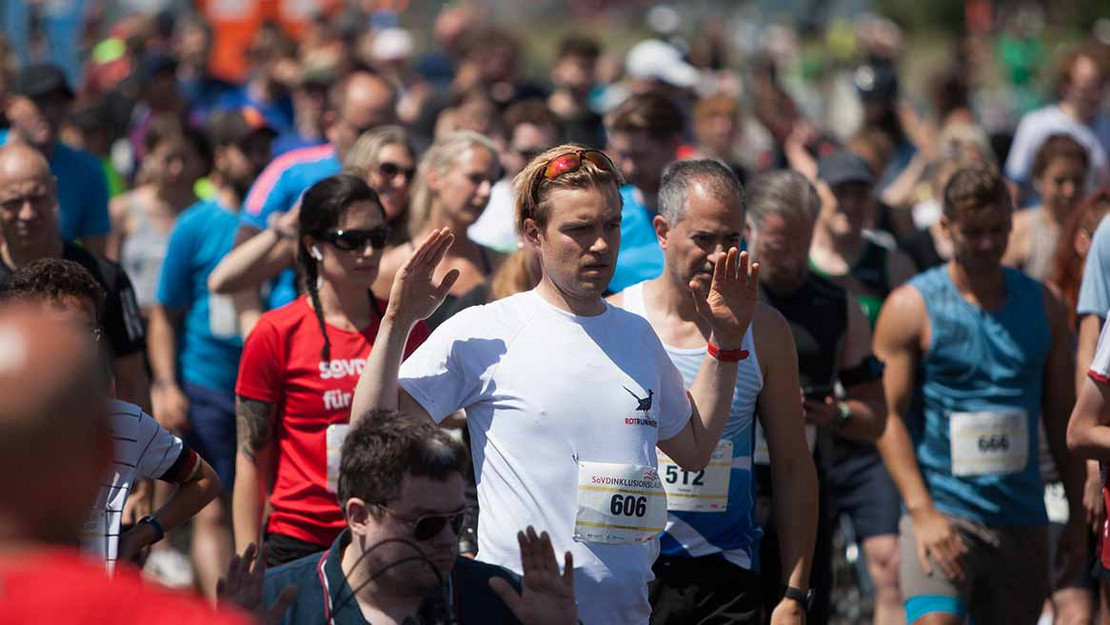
[
  {"x": 361, "y": 102},
  {"x": 20, "y": 162},
  {"x": 54, "y": 438},
  {"x": 28, "y": 204}
]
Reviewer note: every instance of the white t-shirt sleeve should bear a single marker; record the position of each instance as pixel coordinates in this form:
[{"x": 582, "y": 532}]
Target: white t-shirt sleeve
[
  {"x": 446, "y": 372},
  {"x": 159, "y": 449},
  {"x": 1019, "y": 161},
  {"x": 675, "y": 408},
  {"x": 1100, "y": 366}
]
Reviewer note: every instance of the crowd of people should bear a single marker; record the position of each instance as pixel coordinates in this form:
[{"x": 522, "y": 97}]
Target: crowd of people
[{"x": 370, "y": 339}]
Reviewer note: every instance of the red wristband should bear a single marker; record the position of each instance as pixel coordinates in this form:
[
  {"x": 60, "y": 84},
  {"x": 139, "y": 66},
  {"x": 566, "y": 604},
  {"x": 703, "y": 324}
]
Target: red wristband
[{"x": 726, "y": 355}]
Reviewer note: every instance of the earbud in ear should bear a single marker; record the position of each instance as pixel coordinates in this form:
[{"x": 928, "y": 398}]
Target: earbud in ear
[{"x": 314, "y": 251}]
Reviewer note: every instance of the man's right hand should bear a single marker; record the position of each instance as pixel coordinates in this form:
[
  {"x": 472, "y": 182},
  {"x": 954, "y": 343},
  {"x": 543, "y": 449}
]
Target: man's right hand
[
  {"x": 171, "y": 406},
  {"x": 414, "y": 295},
  {"x": 937, "y": 540}
]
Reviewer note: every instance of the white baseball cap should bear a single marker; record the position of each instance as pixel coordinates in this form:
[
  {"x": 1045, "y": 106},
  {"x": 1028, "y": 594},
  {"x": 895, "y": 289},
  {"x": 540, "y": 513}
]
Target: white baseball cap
[{"x": 659, "y": 60}]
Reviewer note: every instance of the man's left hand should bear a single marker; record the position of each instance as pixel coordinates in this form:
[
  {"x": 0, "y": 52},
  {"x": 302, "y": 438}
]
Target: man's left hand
[
  {"x": 133, "y": 541},
  {"x": 546, "y": 596}
]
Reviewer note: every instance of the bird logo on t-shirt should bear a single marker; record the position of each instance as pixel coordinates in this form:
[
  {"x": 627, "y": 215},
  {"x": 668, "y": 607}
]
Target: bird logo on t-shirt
[{"x": 643, "y": 403}]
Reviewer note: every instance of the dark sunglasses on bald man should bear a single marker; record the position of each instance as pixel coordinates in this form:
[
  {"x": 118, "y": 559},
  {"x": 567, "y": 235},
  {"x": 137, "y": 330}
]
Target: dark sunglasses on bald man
[{"x": 356, "y": 240}]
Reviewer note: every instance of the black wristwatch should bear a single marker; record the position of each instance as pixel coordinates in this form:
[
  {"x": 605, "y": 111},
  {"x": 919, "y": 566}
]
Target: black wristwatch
[
  {"x": 159, "y": 532},
  {"x": 804, "y": 597}
]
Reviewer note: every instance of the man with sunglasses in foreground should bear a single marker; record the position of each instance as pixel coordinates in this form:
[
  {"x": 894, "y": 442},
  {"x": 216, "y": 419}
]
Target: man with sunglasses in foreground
[
  {"x": 565, "y": 396},
  {"x": 401, "y": 491}
]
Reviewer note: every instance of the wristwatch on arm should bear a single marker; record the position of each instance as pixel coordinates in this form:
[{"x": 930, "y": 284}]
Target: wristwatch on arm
[{"x": 804, "y": 597}]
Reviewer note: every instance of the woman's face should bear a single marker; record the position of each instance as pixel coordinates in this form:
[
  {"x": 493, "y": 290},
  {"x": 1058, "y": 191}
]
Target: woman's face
[
  {"x": 358, "y": 267},
  {"x": 1061, "y": 184},
  {"x": 392, "y": 179},
  {"x": 462, "y": 191},
  {"x": 174, "y": 163}
]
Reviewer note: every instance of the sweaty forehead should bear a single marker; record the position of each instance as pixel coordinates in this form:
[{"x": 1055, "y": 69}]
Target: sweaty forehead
[{"x": 18, "y": 187}]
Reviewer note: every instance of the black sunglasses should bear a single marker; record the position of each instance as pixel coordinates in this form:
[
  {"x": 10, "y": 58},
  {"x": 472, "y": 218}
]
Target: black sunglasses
[
  {"x": 356, "y": 240},
  {"x": 392, "y": 170},
  {"x": 428, "y": 527}
]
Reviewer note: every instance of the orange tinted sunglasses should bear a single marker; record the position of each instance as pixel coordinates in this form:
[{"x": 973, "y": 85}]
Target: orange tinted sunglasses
[{"x": 572, "y": 161}]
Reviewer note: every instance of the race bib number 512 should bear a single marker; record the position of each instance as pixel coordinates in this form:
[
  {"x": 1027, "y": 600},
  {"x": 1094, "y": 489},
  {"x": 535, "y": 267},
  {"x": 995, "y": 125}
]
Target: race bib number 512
[{"x": 619, "y": 503}]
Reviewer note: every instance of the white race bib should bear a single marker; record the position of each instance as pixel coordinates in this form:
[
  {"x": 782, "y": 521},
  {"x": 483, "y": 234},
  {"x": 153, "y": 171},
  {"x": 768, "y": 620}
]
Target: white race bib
[
  {"x": 619, "y": 504},
  {"x": 337, "y": 433},
  {"x": 223, "y": 322},
  {"x": 988, "y": 443},
  {"x": 698, "y": 491},
  {"x": 1056, "y": 503}
]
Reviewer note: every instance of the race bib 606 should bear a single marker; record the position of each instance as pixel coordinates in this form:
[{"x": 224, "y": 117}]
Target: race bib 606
[
  {"x": 619, "y": 503},
  {"x": 989, "y": 443}
]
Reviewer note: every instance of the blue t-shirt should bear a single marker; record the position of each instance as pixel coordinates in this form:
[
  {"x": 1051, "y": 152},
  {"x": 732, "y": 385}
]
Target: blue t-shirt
[
  {"x": 209, "y": 346},
  {"x": 276, "y": 190},
  {"x": 1094, "y": 293},
  {"x": 640, "y": 257},
  {"x": 82, "y": 191},
  {"x": 980, "y": 365}
]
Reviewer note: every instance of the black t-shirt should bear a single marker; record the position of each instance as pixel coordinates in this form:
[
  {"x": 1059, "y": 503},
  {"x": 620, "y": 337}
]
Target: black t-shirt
[{"x": 122, "y": 322}]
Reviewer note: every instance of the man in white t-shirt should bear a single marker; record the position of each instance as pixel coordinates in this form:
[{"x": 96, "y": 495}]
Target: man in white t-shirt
[
  {"x": 566, "y": 397},
  {"x": 1082, "y": 85},
  {"x": 141, "y": 449}
]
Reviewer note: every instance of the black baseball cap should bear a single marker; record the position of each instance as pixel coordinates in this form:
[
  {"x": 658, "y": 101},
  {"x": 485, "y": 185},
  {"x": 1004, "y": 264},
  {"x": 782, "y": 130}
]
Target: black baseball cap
[
  {"x": 236, "y": 126},
  {"x": 843, "y": 166},
  {"x": 39, "y": 79}
]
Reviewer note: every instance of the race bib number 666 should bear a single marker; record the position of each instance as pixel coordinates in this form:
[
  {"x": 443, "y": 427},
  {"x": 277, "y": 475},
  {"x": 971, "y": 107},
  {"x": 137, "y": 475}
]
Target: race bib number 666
[
  {"x": 989, "y": 443},
  {"x": 619, "y": 503}
]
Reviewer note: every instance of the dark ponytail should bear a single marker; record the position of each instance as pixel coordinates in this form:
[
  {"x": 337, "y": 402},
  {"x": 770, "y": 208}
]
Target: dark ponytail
[{"x": 321, "y": 207}]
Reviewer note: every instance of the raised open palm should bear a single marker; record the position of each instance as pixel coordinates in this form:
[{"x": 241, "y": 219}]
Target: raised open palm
[
  {"x": 729, "y": 303},
  {"x": 414, "y": 294}
]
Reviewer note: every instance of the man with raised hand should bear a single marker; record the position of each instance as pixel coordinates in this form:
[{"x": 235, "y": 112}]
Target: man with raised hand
[
  {"x": 566, "y": 397},
  {"x": 709, "y": 562}
]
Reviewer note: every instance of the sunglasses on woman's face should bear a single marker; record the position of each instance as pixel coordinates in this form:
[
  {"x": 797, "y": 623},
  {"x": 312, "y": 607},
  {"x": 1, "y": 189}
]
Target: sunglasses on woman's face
[
  {"x": 392, "y": 170},
  {"x": 428, "y": 527},
  {"x": 357, "y": 240}
]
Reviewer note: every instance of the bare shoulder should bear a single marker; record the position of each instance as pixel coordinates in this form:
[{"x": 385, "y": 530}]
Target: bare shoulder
[{"x": 903, "y": 317}]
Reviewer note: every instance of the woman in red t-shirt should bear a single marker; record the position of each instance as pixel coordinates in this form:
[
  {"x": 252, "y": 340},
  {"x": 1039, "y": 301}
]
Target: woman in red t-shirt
[{"x": 299, "y": 368}]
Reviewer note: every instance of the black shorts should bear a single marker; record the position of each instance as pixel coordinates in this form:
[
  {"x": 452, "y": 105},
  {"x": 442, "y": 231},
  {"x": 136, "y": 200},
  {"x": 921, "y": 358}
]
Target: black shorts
[
  {"x": 860, "y": 487},
  {"x": 283, "y": 548},
  {"x": 708, "y": 589}
]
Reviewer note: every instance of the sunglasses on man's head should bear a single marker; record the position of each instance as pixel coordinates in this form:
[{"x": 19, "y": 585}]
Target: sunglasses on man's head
[
  {"x": 392, "y": 170},
  {"x": 428, "y": 527},
  {"x": 572, "y": 161},
  {"x": 356, "y": 240}
]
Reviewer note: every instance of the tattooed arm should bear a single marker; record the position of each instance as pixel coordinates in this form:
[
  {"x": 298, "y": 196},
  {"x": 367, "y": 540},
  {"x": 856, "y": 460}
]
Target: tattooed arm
[{"x": 255, "y": 422}]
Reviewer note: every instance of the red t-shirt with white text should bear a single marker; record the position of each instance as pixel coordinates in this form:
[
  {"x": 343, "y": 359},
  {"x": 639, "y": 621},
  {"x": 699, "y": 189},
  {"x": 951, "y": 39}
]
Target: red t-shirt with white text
[{"x": 282, "y": 364}]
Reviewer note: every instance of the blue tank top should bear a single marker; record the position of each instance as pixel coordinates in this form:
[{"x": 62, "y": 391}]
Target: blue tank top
[
  {"x": 980, "y": 365},
  {"x": 733, "y": 533}
]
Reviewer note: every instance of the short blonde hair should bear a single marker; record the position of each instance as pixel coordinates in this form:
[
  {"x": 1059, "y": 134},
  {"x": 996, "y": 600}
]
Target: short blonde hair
[
  {"x": 440, "y": 158},
  {"x": 531, "y": 189}
]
